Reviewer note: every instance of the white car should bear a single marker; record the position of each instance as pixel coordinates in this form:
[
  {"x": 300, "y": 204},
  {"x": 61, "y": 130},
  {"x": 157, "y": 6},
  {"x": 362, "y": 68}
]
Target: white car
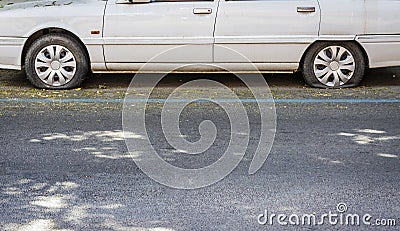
[{"x": 332, "y": 42}]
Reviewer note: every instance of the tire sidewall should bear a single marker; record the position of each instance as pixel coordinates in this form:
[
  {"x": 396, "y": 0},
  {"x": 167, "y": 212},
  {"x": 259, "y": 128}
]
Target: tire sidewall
[
  {"x": 82, "y": 64},
  {"x": 354, "y": 49}
]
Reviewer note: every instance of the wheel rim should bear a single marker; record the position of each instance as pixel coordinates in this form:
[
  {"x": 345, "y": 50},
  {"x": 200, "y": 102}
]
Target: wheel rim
[
  {"x": 334, "y": 66},
  {"x": 55, "y": 65}
]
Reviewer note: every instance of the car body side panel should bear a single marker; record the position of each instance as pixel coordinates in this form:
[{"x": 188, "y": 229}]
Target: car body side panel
[
  {"x": 381, "y": 39},
  {"x": 10, "y": 52},
  {"x": 201, "y": 67},
  {"x": 80, "y": 17},
  {"x": 375, "y": 24},
  {"x": 382, "y": 50},
  {"x": 383, "y": 17},
  {"x": 269, "y": 31}
]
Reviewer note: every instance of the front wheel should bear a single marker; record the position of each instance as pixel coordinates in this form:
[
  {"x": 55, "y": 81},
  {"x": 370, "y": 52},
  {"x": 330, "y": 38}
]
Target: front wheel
[
  {"x": 334, "y": 65},
  {"x": 56, "y": 61}
]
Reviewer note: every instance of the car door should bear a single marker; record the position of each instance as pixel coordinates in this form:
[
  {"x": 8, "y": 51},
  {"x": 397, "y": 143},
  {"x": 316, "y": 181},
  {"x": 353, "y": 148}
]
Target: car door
[
  {"x": 140, "y": 32},
  {"x": 266, "y": 31}
]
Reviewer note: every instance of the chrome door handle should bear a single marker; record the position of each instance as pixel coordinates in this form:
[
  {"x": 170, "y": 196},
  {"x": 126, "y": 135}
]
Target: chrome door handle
[
  {"x": 306, "y": 9},
  {"x": 202, "y": 11}
]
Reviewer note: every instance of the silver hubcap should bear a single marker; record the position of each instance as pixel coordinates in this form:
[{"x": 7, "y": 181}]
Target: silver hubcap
[
  {"x": 55, "y": 65},
  {"x": 334, "y": 66}
]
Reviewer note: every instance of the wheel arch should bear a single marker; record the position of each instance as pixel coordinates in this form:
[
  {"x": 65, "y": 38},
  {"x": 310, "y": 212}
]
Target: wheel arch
[
  {"x": 365, "y": 54},
  {"x": 51, "y": 30}
]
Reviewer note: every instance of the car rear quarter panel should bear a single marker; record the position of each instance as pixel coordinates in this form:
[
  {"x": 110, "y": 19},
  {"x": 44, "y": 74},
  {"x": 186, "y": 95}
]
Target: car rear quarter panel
[
  {"x": 374, "y": 24},
  {"x": 381, "y": 39}
]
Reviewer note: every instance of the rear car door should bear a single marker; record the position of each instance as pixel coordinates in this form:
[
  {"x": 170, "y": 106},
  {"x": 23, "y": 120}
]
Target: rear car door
[{"x": 266, "y": 31}]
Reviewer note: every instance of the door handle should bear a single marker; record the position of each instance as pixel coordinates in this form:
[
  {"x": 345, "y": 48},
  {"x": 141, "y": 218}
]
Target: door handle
[
  {"x": 310, "y": 9},
  {"x": 202, "y": 11}
]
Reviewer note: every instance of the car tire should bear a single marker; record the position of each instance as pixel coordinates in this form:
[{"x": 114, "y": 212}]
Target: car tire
[
  {"x": 56, "y": 61},
  {"x": 334, "y": 65}
]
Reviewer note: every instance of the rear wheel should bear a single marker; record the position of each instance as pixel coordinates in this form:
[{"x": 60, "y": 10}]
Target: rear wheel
[
  {"x": 334, "y": 65},
  {"x": 56, "y": 61}
]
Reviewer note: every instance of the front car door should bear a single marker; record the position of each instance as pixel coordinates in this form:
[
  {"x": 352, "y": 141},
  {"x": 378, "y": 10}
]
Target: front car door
[
  {"x": 266, "y": 31},
  {"x": 136, "y": 33}
]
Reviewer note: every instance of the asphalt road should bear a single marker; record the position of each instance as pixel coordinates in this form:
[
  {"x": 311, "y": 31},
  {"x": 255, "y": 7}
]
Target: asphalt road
[{"x": 65, "y": 165}]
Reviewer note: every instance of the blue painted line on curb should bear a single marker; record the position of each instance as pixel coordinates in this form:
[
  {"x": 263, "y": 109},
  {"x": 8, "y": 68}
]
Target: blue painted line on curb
[{"x": 153, "y": 100}]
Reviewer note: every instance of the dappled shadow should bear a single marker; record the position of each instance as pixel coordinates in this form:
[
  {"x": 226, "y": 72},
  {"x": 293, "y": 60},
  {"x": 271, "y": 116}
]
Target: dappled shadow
[
  {"x": 368, "y": 136},
  {"x": 367, "y": 142},
  {"x": 32, "y": 205},
  {"x": 372, "y": 137},
  {"x": 65, "y": 196},
  {"x": 108, "y": 148},
  {"x": 352, "y": 149}
]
